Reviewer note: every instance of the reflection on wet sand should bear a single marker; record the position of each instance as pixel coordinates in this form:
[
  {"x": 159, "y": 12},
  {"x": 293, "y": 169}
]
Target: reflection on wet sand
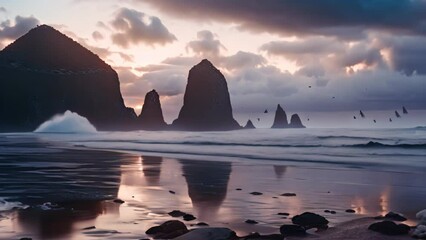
[
  {"x": 58, "y": 223},
  {"x": 279, "y": 171},
  {"x": 151, "y": 167},
  {"x": 207, "y": 185}
]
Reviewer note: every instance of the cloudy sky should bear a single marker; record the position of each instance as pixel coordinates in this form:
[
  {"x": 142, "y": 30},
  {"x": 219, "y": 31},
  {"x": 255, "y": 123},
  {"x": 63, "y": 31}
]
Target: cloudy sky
[{"x": 318, "y": 58}]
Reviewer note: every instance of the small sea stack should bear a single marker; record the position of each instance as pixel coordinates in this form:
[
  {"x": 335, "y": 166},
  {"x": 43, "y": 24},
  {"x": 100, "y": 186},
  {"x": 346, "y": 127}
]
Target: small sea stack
[
  {"x": 151, "y": 117},
  {"x": 296, "y": 122},
  {"x": 280, "y": 120}
]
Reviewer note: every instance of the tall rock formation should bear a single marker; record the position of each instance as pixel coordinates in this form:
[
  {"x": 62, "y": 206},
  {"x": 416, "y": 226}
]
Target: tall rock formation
[
  {"x": 280, "y": 120},
  {"x": 151, "y": 117},
  {"x": 44, "y": 73},
  {"x": 249, "y": 125},
  {"x": 206, "y": 104},
  {"x": 295, "y": 122}
]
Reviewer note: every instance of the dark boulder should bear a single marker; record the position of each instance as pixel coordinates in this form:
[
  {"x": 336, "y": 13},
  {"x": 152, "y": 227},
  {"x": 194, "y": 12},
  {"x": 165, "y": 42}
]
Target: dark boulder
[
  {"x": 168, "y": 230},
  {"x": 395, "y": 217},
  {"x": 151, "y": 117},
  {"x": 295, "y": 122},
  {"x": 310, "y": 220},
  {"x": 177, "y": 213},
  {"x": 206, "y": 103},
  {"x": 189, "y": 217},
  {"x": 44, "y": 73},
  {"x": 249, "y": 125},
  {"x": 292, "y": 230},
  {"x": 389, "y": 228},
  {"x": 280, "y": 120}
]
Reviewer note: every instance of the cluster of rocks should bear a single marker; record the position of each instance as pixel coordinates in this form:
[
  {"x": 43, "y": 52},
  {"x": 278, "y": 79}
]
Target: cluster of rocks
[
  {"x": 300, "y": 225},
  {"x": 280, "y": 120},
  {"x": 388, "y": 226}
]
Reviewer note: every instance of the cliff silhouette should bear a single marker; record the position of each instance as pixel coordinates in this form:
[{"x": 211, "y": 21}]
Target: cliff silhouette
[{"x": 44, "y": 73}]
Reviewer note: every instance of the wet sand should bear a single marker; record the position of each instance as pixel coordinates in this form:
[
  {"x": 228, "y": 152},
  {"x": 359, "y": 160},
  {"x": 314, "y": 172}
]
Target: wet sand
[{"x": 84, "y": 182}]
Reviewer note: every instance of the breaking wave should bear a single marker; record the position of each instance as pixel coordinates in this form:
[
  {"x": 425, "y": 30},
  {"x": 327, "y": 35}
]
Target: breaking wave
[{"x": 69, "y": 122}]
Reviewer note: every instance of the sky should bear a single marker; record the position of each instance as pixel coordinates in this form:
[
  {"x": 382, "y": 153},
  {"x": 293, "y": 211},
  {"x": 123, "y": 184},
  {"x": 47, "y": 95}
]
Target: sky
[{"x": 325, "y": 60}]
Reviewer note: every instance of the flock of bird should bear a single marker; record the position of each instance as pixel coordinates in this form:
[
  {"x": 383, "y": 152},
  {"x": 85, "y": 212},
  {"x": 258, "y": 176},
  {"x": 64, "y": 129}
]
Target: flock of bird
[{"x": 397, "y": 115}]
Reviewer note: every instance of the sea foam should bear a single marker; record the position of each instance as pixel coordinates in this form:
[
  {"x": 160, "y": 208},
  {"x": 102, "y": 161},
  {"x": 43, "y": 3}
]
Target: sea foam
[{"x": 69, "y": 122}]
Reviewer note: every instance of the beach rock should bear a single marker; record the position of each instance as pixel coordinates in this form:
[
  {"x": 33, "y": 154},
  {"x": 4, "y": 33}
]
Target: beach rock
[
  {"x": 310, "y": 220},
  {"x": 168, "y": 230},
  {"x": 89, "y": 228},
  {"x": 284, "y": 214},
  {"x": 25, "y": 238},
  {"x": 208, "y": 234},
  {"x": 256, "y": 193},
  {"x": 421, "y": 216},
  {"x": 201, "y": 224},
  {"x": 189, "y": 217},
  {"x": 419, "y": 232},
  {"x": 177, "y": 213},
  {"x": 389, "y": 228},
  {"x": 249, "y": 125},
  {"x": 250, "y": 221},
  {"x": 288, "y": 194},
  {"x": 292, "y": 230},
  {"x": 151, "y": 117},
  {"x": 395, "y": 217},
  {"x": 295, "y": 122},
  {"x": 257, "y": 236},
  {"x": 45, "y": 73},
  {"x": 280, "y": 120},
  {"x": 206, "y": 104},
  {"x": 119, "y": 201},
  {"x": 350, "y": 211}
]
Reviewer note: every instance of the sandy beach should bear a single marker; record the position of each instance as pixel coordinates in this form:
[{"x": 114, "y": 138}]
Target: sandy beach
[{"x": 73, "y": 189}]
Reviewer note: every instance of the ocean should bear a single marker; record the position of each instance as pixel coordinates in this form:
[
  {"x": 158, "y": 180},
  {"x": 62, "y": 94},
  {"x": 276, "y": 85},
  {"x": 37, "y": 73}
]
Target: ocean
[{"x": 371, "y": 171}]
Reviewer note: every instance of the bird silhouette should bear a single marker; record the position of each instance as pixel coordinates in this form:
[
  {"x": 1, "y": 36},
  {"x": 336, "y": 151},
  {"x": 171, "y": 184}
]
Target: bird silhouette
[
  {"x": 404, "y": 110},
  {"x": 397, "y": 114}
]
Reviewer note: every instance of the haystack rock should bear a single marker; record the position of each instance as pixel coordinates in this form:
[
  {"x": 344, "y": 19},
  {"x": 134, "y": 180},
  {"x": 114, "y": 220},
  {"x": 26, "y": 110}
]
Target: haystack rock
[
  {"x": 295, "y": 122},
  {"x": 151, "y": 117},
  {"x": 280, "y": 120},
  {"x": 249, "y": 125},
  {"x": 44, "y": 73},
  {"x": 206, "y": 104}
]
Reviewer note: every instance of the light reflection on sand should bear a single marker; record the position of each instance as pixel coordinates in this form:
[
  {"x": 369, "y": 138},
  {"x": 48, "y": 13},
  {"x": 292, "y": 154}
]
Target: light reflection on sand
[{"x": 207, "y": 190}]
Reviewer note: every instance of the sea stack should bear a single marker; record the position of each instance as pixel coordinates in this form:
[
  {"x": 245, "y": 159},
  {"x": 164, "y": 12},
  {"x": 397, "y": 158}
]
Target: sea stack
[
  {"x": 249, "y": 125},
  {"x": 206, "y": 104},
  {"x": 45, "y": 73},
  {"x": 295, "y": 122},
  {"x": 151, "y": 117},
  {"x": 280, "y": 120}
]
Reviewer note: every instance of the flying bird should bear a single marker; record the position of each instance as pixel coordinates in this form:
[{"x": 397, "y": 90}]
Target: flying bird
[
  {"x": 266, "y": 111},
  {"x": 404, "y": 110},
  {"x": 310, "y": 86},
  {"x": 374, "y": 120},
  {"x": 258, "y": 119},
  {"x": 354, "y": 117},
  {"x": 390, "y": 119},
  {"x": 362, "y": 114},
  {"x": 397, "y": 114}
]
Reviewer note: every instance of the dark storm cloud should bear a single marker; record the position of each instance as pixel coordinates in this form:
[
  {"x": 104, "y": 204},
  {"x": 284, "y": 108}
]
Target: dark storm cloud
[
  {"x": 408, "y": 54},
  {"x": 22, "y": 25},
  {"x": 134, "y": 27},
  {"x": 345, "y": 19}
]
